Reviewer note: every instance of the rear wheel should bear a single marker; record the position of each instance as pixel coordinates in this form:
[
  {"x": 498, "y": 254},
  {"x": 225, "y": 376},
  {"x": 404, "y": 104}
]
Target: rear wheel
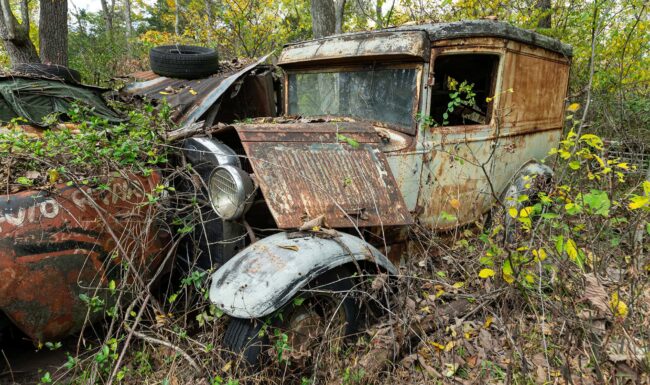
[
  {"x": 522, "y": 192},
  {"x": 324, "y": 312}
]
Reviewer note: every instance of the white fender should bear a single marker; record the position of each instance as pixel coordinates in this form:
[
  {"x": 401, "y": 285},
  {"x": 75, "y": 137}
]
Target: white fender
[{"x": 266, "y": 275}]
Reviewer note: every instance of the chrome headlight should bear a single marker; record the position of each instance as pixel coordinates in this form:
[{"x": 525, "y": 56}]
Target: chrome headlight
[{"x": 231, "y": 191}]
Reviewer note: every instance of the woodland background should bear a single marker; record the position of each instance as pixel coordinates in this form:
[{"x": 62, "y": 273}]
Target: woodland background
[
  {"x": 611, "y": 38},
  {"x": 568, "y": 302}
]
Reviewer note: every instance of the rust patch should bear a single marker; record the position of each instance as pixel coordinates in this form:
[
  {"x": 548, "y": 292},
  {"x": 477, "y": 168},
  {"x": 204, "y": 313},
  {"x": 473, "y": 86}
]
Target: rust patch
[{"x": 333, "y": 169}]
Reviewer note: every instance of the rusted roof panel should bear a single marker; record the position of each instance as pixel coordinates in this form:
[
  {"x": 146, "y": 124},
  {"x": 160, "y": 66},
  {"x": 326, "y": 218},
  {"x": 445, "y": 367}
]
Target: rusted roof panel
[
  {"x": 333, "y": 169},
  {"x": 489, "y": 28},
  {"x": 413, "y": 44},
  {"x": 411, "y": 41}
]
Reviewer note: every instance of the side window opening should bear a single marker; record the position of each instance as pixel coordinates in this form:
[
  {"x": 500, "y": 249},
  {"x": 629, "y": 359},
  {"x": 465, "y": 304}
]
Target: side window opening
[{"x": 462, "y": 82}]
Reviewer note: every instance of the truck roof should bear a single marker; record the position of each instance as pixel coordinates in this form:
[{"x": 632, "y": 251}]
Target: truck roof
[
  {"x": 489, "y": 28},
  {"x": 410, "y": 41}
]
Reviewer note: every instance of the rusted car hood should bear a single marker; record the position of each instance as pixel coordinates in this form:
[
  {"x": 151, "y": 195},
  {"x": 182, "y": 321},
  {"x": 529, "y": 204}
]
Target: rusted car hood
[{"x": 334, "y": 169}]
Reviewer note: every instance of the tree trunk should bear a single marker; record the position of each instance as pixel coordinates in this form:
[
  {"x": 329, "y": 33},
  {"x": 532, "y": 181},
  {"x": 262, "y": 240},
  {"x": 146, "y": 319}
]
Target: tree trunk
[
  {"x": 323, "y": 18},
  {"x": 15, "y": 36},
  {"x": 108, "y": 15},
  {"x": 53, "y": 32},
  {"x": 338, "y": 12},
  {"x": 544, "y": 7},
  {"x": 128, "y": 25},
  {"x": 177, "y": 17},
  {"x": 209, "y": 20}
]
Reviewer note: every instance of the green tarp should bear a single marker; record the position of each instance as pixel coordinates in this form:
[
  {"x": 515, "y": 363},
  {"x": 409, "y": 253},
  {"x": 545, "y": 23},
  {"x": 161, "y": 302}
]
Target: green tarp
[{"x": 34, "y": 99}]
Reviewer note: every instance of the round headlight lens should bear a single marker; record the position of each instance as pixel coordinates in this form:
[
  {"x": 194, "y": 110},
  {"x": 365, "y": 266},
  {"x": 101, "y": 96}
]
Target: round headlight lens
[{"x": 230, "y": 191}]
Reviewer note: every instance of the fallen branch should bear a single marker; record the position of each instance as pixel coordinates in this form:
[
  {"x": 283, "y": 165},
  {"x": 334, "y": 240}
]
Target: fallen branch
[
  {"x": 184, "y": 132},
  {"x": 389, "y": 341},
  {"x": 157, "y": 341}
]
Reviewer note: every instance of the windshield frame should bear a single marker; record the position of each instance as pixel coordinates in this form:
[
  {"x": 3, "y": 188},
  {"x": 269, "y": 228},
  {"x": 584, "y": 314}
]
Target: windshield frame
[{"x": 417, "y": 66}]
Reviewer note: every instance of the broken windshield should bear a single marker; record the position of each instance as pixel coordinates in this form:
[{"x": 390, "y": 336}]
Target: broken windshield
[{"x": 382, "y": 95}]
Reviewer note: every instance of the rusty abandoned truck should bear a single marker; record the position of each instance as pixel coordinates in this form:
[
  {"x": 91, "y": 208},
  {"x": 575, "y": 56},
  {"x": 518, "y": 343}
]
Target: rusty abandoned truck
[{"x": 372, "y": 133}]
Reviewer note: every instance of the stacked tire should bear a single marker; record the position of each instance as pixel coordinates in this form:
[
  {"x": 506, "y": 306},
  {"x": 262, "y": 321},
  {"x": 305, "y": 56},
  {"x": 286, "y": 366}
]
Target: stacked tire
[{"x": 184, "y": 61}]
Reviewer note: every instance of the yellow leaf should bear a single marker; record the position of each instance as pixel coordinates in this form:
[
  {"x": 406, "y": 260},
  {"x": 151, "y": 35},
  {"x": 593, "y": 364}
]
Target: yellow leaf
[
  {"x": 439, "y": 293},
  {"x": 458, "y": 285},
  {"x": 449, "y": 346},
  {"x": 437, "y": 345},
  {"x": 513, "y": 212},
  {"x": 573, "y": 107},
  {"x": 161, "y": 319},
  {"x": 529, "y": 278},
  {"x": 227, "y": 366},
  {"x": 486, "y": 273},
  {"x": 53, "y": 175},
  {"x": 539, "y": 255},
  {"x": 624, "y": 166},
  {"x": 638, "y": 202},
  {"x": 618, "y": 307},
  {"x": 526, "y": 211},
  {"x": 193, "y": 92},
  {"x": 488, "y": 321},
  {"x": 571, "y": 249},
  {"x": 455, "y": 203},
  {"x": 451, "y": 369},
  {"x": 507, "y": 272},
  {"x": 163, "y": 93}
]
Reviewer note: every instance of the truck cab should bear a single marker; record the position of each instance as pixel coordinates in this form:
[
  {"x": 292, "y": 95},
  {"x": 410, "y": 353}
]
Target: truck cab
[{"x": 382, "y": 130}]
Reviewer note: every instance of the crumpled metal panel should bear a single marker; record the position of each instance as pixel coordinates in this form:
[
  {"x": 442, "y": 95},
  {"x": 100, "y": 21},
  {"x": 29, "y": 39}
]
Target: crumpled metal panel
[
  {"x": 266, "y": 275},
  {"x": 190, "y": 99},
  {"x": 54, "y": 246},
  {"x": 333, "y": 169}
]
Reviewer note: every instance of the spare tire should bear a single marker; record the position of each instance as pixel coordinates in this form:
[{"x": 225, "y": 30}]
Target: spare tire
[
  {"x": 49, "y": 70},
  {"x": 184, "y": 61}
]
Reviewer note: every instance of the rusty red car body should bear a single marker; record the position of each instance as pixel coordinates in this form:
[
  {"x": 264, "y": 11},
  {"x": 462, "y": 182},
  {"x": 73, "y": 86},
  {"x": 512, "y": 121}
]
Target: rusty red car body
[{"x": 57, "y": 244}]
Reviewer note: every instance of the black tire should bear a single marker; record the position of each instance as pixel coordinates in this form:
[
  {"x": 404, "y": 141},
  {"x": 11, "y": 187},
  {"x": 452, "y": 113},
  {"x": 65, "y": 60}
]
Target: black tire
[
  {"x": 49, "y": 70},
  {"x": 184, "y": 61},
  {"x": 243, "y": 337}
]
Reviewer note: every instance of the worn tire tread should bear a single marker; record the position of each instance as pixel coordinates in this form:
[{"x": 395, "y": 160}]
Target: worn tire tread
[{"x": 242, "y": 337}]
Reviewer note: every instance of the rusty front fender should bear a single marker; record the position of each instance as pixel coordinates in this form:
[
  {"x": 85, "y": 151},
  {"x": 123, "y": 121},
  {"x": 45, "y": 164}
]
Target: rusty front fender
[{"x": 265, "y": 276}]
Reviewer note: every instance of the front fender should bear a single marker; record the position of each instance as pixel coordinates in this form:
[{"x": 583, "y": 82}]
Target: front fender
[{"x": 266, "y": 275}]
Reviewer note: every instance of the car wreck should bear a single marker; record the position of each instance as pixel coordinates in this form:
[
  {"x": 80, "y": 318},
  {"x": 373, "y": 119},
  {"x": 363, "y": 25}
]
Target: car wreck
[{"x": 314, "y": 179}]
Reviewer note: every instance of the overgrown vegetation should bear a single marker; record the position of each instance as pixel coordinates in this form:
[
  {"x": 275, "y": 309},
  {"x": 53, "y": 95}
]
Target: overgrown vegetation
[
  {"x": 564, "y": 297},
  {"x": 87, "y": 150}
]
